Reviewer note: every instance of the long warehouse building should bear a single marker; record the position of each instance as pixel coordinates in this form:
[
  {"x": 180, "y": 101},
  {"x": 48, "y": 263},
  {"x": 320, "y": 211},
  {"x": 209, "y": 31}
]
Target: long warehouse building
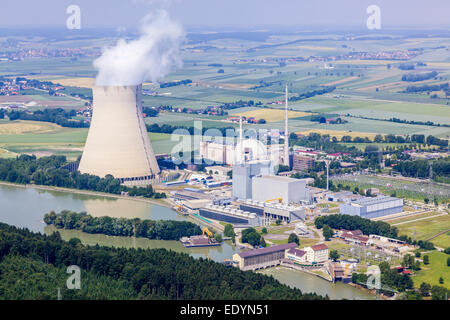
[
  {"x": 262, "y": 258},
  {"x": 372, "y": 207}
]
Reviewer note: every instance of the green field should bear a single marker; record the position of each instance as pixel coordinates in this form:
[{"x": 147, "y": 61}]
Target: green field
[
  {"x": 58, "y": 140},
  {"x": 427, "y": 228},
  {"x": 432, "y": 272}
]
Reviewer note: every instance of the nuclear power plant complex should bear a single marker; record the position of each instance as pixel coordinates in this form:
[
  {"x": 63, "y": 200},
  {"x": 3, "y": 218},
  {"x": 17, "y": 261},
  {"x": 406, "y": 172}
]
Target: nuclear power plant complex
[{"x": 118, "y": 143}]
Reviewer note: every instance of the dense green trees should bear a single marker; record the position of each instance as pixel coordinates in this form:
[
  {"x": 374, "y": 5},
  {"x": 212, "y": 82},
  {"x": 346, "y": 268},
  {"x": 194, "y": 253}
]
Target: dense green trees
[
  {"x": 391, "y": 278},
  {"x": 58, "y": 116},
  {"x": 409, "y": 262},
  {"x": 160, "y": 229},
  {"x": 414, "y": 77},
  {"x": 313, "y": 93},
  {"x": 421, "y": 168},
  {"x": 119, "y": 273},
  {"x": 52, "y": 171},
  {"x": 327, "y": 232},
  {"x": 334, "y": 255},
  {"x": 424, "y": 289},
  {"x": 439, "y": 293},
  {"x": 251, "y": 236},
  {"x": 367, "y": 226},
  {"x": 293, "y": 238}
]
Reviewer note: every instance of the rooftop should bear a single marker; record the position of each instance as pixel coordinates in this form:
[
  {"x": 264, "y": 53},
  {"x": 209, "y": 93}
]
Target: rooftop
[
  {"x": 319, "y": 247},
  {"x": 272, "y": 249},
  {"x": 297, "y": 252},
  {"x": 281, "y": 179},
  {"x": 376, "y": 200}
]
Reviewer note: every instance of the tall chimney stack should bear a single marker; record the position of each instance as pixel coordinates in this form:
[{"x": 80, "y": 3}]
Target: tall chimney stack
[{"x": 286, "y": 133}]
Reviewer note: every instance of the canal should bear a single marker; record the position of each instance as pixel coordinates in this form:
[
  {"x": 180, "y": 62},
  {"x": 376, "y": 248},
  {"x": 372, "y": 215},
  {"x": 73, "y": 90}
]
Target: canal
[{"x": 25, "y": 207}]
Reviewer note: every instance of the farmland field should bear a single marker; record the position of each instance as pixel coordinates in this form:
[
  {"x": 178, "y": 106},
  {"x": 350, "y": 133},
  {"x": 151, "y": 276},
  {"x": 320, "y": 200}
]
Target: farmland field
[
  {"x": 367, "y": 94},
  {"x": 271, "y": 115}
]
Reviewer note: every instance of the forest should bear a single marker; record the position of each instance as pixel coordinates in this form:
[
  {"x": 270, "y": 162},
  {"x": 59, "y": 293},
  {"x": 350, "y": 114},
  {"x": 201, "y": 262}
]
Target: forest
[
  {"x": 414, "y": 77},
  {"x": 421, "y": 168},
  {"x": 39, "y": 262},
  {"x": 367, "y": 226},
  {"x": 150, "y": 229},
  {"x": 58, "y": 116},
  {"x": 51, "y": 171}
]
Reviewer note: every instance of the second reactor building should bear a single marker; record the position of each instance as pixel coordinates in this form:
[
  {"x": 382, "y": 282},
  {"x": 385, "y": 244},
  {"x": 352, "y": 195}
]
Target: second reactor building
[{"x": 118, "y": 143}]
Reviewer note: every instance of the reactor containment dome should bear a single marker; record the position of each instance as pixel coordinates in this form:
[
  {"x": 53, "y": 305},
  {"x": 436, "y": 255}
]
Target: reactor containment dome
[{"x": 118, "y": 143}]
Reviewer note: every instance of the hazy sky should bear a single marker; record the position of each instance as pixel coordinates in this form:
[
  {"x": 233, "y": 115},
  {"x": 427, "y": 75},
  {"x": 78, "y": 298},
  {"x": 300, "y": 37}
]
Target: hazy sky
[{"x": 126, "y": 13}]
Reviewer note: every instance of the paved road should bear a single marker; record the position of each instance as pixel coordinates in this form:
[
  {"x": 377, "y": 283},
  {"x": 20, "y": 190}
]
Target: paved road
[{"x": 438, "y": 215}]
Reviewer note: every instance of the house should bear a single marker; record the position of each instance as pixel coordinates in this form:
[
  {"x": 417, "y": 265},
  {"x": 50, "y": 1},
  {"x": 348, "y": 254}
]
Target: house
[
  {"x": 296, "y": 255},
  {"x": 354, "y": 237},
  {"x": 317, "y": 253}
]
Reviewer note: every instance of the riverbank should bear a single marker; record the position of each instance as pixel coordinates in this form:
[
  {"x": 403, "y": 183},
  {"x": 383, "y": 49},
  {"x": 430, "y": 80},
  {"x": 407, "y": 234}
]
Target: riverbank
[
  {"x": 160, "y": 202},
  {"x": 299, "y": 268},
  {"x": 372, "y": 292}
]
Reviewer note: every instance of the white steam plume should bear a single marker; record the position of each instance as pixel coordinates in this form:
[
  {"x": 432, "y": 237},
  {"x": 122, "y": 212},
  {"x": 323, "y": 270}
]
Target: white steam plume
[{"x": 148, "y": 58}]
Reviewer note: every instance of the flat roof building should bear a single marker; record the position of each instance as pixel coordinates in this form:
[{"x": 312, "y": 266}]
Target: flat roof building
[
  {"x": 262, "y": 258},
  {"x": 369, "y": 208},
  {"x": 238, "y": 218},
  {"x": 271, "y": 212},
  {"x": 243, "y": 173},
  {"x": 288, "y": 189}
]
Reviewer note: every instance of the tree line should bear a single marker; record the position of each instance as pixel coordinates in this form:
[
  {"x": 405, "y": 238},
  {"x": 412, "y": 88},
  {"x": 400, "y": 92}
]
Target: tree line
[
  {"x": 348, "y": 222},
  {"x": 130, "y": 273},
  {"x": 150, "y": 229},
  {"x": 421, "y": 168},
  {"x": 52, "y": 171},
  {"x": 414, "y": 77},
  {"x": 58, "y": 116},
  {"x": 367, "y": 226},
  {"x": 312, "y": 93}
]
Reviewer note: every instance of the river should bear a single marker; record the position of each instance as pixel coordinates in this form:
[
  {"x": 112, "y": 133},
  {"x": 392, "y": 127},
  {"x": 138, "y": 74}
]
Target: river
[{"x": 25, "y": 207}]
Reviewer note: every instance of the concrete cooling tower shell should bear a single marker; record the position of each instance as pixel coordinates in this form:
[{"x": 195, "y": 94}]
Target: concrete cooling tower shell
[{"x": 118, "y": 142}]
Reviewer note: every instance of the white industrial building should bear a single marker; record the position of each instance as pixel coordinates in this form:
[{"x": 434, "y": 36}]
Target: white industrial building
[
  {"x": 235, "y": 216},
  {"x": 271, "y": 211},
  {"x": 117, "y": 142},
  {"x": 369, "y": 208},
  {"x": 290, "y": 190},
  {"x": 243, "y": 174}
]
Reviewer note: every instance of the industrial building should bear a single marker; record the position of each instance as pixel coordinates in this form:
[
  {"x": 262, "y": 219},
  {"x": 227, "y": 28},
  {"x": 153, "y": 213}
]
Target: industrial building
[
  {"x": 288, "y": 189},
  {"x": 243, "y": 173},
  {"x": 369, "y": 208},
  {"x": 189, "y": 194},
  {"x": 222, "y": 152},
  {"x": 271, "y": 212},
  {"x": 238, "y": 218},
  {"x": 342, "y": 196},
  {"x": 117, "y": 142},
  {"x": 262, "y": 258},
  {"x": 302, "y": 163}
]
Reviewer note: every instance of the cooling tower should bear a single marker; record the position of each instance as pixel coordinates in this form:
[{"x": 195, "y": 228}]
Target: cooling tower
[{"x": 118, "y": 142}]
